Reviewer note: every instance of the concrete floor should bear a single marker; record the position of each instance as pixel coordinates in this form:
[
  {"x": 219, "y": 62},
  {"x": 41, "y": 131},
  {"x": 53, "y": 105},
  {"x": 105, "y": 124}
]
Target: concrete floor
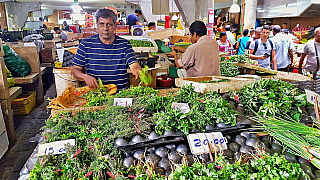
[{"x": 26, "y": 127}]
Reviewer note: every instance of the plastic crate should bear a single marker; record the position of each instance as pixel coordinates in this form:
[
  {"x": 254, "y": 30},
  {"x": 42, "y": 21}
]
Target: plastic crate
[{"x": 24, "y": 103}]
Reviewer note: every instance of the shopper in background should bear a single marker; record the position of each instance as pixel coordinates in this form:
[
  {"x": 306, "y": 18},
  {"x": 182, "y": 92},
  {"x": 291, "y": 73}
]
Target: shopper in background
[
  {"x": 312, "y": 49},
  {"x": 251, "y": 34},
  {"x": 133, "y": 19},
  {"x": 285, "y": 26},
  {"x": 105, "y": 55},
  {"x": 242, "y": 42},
  {"x": 224, "y": 43},
  {"x": 283, "y": 49},
  {"x": 151, "y": 28},
  {"x": 229, "y": 34},
  {"x": 67, "y": 27},
  {"x": 257, "y": 33},
  {"x": 263, "y": 49},
  {"x": 202, "y": 57},
  {"x": 63, "y": 35}
]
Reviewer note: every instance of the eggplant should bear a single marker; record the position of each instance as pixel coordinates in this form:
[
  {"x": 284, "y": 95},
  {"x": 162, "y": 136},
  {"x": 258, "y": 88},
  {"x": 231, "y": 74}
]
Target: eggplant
[
  {"x": 160, "y": 170},
  {"x": 317, "y": 173},
  {"x": 137, "y": 139},
  {"x": 233, "y": 105},
  {"x": 228, "y": 153},
  {"x": 240, "y": 110},
  {"x": 139, "y": 154},
  {"x": 246, "y": 149},
  {"x": 182, "y": 148},
  {"x": 276, "y": 148},
  {"x": 165, "y": 164},
  {"x": 174, "y": 156},
  {"x": 234, "y": 147},
  {"x": 221, "y": 125},
  {"x": 189, "y": 160},
  {"x": 179, "y": 133},
  {"x": 305, "y": 118},
  {"x": 209, "y": 128},
  {"x": 162, "y": 152},
  {"x": 245, "y": 134},
  {"x": 128, "y": 162},
  {"x": 228, "y": 137},
  {"x": 151, "y": 150},
  {"x": 307, "y": 169},
  {"x": 121, "y": 142},
  {"x": 290, "y": 157},
  {"x": 168, "y": 133},
  {"x": 253, "y": 142},
  {"x": 225, "y": 96},
  {"x": 303, "y": 161},
  {"x": 240, "y": 140},
  {"x": 204, "y": 157},
  {"x": 265, "y": 139},
  {"x": 153, "y": 135},
  {"x": 171, "y": 146}
]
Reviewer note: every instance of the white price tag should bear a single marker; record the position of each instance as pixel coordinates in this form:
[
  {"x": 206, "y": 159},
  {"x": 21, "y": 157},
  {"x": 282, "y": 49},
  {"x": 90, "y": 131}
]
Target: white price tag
[
  {"x": 58, "y": 45},
  {"x": 57, "y": 147},
  {"x": 311, "y": 96},
  {"x": 184, "y": 107},
  {"x": 199, "y": 142},
  {"x": 122, "y": 102}
]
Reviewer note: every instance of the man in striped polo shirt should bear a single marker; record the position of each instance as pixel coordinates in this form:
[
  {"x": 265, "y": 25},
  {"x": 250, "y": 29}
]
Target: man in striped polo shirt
[{"x": 105, "y": 55}]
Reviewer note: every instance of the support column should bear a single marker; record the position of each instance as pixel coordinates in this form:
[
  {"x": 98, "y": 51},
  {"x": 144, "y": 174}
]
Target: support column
[{"x": 250, "y": 14}]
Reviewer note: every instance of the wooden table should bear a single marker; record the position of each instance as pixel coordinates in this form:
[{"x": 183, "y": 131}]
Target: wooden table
[{"x": 153, "y": 71}]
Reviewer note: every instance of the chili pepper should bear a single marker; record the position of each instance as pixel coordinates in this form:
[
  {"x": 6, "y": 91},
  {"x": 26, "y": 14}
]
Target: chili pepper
[
  {"x": 88, "y": 174},
  {"x": 109, "y": 173}
]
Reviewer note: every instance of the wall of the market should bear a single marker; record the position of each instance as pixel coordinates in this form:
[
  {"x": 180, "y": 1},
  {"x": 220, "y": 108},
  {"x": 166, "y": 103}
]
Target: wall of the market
[
  {"x": 3, "y": 19},
  {"x": 292, "y": 22}
]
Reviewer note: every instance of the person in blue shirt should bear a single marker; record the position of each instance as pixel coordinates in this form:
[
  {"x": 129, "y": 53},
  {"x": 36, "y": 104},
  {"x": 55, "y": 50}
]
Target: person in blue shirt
[
  {"x": 105, "y": 55},
  {"x": 133, "y": 19},
  {"x": 242, "y": 42}
]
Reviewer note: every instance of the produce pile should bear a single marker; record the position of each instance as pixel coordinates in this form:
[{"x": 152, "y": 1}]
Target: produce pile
[
  {"x": 148, "y": 139},
  {"x": 140, "y": 43},
  {"x": 15, "y": 64},
  {"x": 227, "y": 67}
]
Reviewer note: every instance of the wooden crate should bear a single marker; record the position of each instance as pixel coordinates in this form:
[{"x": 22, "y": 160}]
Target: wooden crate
[
  {"x": 177, "y": 39},
  {"x": 257, "y": 68},
  {"x": 234, "y": 84},
  {"x": 292, "y": 77},
  {"x": 48, "y": 55}
]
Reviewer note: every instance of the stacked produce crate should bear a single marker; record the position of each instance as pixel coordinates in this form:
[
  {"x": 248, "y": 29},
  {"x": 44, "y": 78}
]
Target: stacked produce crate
[{"x": 48, "y": 54}]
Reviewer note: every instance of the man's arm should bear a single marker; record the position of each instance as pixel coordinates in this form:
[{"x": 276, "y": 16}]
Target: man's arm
[
  {"x": 81, "y": 76},
  {"x": 301, "y": 62},
  {"x": 135, "y": 68},
  {"x": 251, "y": 56},
  {"x": 274, "y": 60}
]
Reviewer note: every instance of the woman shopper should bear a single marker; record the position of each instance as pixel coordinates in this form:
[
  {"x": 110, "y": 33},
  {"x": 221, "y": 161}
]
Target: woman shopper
[
  {"x": 224, "y": 42},
  {"x": 242, "y": 42}
]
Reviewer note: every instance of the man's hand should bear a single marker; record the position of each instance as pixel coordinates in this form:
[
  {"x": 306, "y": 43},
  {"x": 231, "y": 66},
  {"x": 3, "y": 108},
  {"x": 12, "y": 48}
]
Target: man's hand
[
  {"x": 171, "y": 54},
  {"x": 135, "y": 68},
  {"x": 180, "y": 49},
  {"x": 91, "y": 81},
  {"x": 263, "y": 57}
]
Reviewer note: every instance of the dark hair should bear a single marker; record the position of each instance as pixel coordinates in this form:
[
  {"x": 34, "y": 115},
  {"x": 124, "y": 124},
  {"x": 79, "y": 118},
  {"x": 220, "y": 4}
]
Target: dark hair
[
  {"x": 285, "y": 23},
  {"x": 276, "y": 28},
  {"x": 106, "y": 13},
  {"x": 252, "y": 30},
  {"x": 222, "y": 34},
  {"x": 151, "y": 24},
  {"x": 227, "y": 28},
  {"x": 245, "y": 32},
  {"x": 138, "y": 11},
  {"x": 267, "y": 27},
  {"x": 199, "y": 27},
  {"x": 56, "y": 28}
]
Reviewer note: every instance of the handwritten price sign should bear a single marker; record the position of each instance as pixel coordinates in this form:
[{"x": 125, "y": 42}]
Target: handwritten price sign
[
  {"x": 183, "y": 107},
  {"x": 57, "y": 147},
  {"x": 199, "y": 143},
  {"x": 123, "y": 102}
]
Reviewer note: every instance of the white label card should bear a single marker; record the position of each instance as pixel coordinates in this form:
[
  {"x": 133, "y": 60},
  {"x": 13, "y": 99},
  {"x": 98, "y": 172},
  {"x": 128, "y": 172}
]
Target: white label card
[
  {"x": 57, "y": 147},
  {"x": 199, "y": 142},
  {"x": 311, "y": 97},
  {"x": 58, "y": 45},
  {"x": 184, "y": 107},
  {"x": 122, "y": 102}
]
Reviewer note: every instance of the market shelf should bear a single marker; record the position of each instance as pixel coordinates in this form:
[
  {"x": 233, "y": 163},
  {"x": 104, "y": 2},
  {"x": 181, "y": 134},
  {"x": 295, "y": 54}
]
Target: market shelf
[
  {"x": 14, "y": 92},
  {"x": 27, "y": 79}
]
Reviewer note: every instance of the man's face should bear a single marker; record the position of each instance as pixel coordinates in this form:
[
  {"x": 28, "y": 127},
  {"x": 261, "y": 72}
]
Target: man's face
[
  {"x": 265, "y": 34},
  {"x": 284, "y": 26},
  {"x": 152, "y": 28},
  {"x": 257, "y": 34},
  {"x": 251, "y": 33},
  {"x": 106, "y": 27},
  {"x": 193, "y": 38},
  {"x": 58, "y": 31}
]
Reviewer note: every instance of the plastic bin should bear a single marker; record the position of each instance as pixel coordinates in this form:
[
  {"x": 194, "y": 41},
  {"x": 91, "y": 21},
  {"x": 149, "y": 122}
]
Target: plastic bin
[{"x": 24, "y": 103}]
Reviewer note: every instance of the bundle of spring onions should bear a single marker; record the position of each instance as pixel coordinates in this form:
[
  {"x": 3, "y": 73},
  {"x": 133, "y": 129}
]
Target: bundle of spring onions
[{"x": 303, "y": 140}]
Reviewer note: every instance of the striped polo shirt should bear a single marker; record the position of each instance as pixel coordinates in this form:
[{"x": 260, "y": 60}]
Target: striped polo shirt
[{"x": 109, "y": 62}]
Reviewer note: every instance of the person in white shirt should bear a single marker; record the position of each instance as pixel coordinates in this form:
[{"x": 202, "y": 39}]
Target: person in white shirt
[
  {"x": 283, "y": 49},
  {"x": 229, "y": 34},
  {"x": 151, "y": 28},
  {"x": 312, "y": 64}
]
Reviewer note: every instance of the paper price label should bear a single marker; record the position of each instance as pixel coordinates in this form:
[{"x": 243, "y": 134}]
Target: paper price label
[
  {"x": 198, "y": 143},
  {"x": 58, "y": 45},
  {"x": 311, "y": 97},
  {"x": 123, "y": 102},
  {"x": 57, "y": 147},
  {"x": 183, "y": 107}
]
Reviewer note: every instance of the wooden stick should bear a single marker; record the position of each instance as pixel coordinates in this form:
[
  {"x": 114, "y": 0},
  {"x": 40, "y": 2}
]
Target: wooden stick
[{"x": 316, "y": 108}]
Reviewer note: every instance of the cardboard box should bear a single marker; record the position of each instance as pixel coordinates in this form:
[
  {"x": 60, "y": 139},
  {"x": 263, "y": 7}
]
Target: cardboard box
[
  {"x": 48, "y": 55},
  {"x": 49, "y": 44},
  {"x": 177, "y": 39}
]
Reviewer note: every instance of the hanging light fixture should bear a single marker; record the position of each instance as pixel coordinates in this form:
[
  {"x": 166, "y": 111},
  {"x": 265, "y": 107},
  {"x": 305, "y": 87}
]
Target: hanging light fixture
[
  {"x": 76, "y": 8},
  {"x": 235, "y": 8}
]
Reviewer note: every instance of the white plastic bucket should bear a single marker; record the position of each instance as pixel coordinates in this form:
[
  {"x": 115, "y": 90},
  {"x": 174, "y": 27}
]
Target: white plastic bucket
[{"x": 63, "y": 79}]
